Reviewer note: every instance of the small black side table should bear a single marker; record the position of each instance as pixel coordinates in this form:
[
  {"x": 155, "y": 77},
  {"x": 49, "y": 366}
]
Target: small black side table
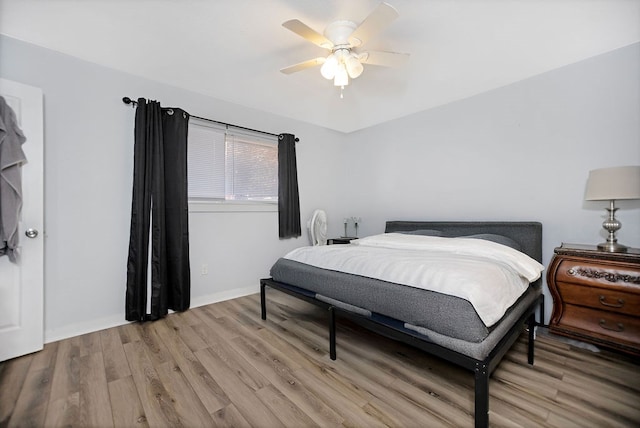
[{"x": 341, "y": 240}]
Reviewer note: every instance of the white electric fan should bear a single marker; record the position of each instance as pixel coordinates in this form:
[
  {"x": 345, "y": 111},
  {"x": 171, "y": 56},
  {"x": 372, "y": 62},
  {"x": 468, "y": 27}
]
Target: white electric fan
[{"x": 318, "y": 228}]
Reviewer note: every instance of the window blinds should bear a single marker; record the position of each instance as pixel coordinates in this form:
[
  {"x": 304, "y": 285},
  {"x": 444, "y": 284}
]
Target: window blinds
[{"x": 226, "y": 165}]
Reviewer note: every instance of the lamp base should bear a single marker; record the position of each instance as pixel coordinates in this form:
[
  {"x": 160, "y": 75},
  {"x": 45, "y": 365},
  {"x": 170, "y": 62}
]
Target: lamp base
[
  {"x": 611, "y": 225},
  {"x": 612, "y": 247}
]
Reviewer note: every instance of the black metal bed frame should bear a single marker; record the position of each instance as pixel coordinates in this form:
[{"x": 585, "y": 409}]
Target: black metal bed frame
[{"x": 395, "y": 329}]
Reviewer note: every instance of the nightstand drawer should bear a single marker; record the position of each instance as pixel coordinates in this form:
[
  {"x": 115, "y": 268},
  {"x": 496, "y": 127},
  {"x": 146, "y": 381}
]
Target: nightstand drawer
[
  {"x": 589, "y": 273},
  {"x": 601, "y": 324},
  {"x": 605, "y": 299}
]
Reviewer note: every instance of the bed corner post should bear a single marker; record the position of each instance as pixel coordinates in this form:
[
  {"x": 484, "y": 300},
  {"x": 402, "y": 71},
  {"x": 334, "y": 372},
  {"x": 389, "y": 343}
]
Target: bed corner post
[
  {"x": 531, "y": 322},
  {"x": 481, "y": 395},
  {"x": 263, "y": 303},
  {"x": 332, "y": 333},
  {"x": 531, "y": 326}
]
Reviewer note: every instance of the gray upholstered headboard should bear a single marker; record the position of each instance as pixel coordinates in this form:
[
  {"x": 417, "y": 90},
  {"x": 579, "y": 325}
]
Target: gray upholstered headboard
[{"x": 527, "y": 234}]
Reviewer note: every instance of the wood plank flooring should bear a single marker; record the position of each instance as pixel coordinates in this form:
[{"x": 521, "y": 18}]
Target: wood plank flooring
[{"x": 221, "y": 365}]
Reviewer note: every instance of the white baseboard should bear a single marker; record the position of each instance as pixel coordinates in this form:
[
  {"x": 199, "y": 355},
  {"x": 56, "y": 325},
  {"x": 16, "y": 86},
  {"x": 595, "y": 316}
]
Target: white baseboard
[
  {"x": 85, "y": 327},
  {"x": 118, "y": 319},
  {"x": 224, "y": 295}
]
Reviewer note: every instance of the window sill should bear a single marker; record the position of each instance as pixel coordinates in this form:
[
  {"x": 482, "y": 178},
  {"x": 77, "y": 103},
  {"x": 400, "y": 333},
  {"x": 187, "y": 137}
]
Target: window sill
[{"x": 226, "y": 207}]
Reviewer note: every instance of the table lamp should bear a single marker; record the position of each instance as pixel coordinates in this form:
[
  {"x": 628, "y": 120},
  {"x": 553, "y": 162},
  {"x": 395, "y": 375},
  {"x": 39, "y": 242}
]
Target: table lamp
[{"x": 611, "y": 184}]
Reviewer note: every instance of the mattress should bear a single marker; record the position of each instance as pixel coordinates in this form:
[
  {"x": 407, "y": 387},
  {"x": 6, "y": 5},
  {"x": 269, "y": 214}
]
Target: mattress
[
  {"x": 440, "y": 314},
  {"x": 490, "y": 275}
]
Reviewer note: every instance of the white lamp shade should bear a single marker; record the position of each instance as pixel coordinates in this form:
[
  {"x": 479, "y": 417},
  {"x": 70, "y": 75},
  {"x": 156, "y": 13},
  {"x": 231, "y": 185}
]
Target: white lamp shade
[
  {"x": 622, "y": 182},
  {"x": 328, "y": 69},
  {"x": 354, "y": 67}
]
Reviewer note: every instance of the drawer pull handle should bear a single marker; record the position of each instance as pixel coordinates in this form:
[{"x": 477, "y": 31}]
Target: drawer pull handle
[
  {"x": 619, "y": 327},
  {"x": 611, "y": 305},
  {"x": 571, "y": 272}
]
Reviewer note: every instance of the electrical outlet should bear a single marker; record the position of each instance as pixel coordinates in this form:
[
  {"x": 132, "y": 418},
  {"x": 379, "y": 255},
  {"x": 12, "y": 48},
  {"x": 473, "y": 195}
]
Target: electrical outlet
[{"x": 204, "y": 270}]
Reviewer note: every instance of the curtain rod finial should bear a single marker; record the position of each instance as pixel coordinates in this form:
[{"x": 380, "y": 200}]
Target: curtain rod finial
[{"x": 129, "y": 101}]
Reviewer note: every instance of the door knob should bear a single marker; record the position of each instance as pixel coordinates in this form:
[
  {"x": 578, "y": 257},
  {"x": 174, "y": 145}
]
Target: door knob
[{"x": 31, "y": 233}]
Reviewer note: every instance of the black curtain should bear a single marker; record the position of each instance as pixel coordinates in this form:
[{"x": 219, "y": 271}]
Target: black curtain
[
  {"x": 288, "y": 198},
  {"x": 159, "y": 210}
]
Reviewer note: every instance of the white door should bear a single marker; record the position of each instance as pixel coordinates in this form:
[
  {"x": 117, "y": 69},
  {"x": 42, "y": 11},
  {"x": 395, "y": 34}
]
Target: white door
[{"x": 21, "y": 285}]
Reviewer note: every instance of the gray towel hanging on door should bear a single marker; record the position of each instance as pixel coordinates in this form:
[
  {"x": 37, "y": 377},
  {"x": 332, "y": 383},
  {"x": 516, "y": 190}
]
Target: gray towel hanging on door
[{"x": 11, "y": 160}]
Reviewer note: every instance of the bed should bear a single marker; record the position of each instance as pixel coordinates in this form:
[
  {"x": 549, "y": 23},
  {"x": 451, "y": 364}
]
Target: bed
[{"x": 462, "y": 327}]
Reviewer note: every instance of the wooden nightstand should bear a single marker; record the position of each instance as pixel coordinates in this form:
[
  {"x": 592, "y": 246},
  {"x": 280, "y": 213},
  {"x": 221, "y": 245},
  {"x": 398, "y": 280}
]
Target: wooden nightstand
[{"x": 596, "y": 296}]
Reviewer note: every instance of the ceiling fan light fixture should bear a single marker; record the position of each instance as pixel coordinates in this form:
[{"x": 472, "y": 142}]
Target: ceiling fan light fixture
[
  {"x": 341, "y": 78},
  {"x": 354, "y": 67},
  {"x": 328, "y": 69},
  {"x": 343, "y": 38}
]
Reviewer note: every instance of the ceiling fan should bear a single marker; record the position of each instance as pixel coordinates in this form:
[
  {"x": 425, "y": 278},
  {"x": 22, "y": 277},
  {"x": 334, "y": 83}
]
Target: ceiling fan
[{"x": 344, "y": 39}]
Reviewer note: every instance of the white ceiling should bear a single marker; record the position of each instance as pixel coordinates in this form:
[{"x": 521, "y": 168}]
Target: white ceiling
[{"x": 233, "y": 49}]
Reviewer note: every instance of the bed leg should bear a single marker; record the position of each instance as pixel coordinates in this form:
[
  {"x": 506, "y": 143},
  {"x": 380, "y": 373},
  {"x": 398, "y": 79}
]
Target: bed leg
[
  {"x": 532, "y": 325},
  {"x": 481, "y": 395},
  {"x": 332, "y": 333},
  {"x": 263, "y": 302},
  {"x": 541, "y": 323}
]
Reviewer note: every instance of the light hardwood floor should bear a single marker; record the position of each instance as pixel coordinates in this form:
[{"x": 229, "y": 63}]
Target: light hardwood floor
[{"x": 221, "y": 365}]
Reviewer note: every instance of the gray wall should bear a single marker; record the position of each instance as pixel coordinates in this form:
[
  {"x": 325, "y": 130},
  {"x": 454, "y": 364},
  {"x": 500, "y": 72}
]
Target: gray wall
[
  {"x": 521, "y": 152},
  {"x": 88, "y": 181}
]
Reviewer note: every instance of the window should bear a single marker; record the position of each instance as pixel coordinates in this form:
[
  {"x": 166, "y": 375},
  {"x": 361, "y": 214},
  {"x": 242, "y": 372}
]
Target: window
[{"x": 229, "y": 165}]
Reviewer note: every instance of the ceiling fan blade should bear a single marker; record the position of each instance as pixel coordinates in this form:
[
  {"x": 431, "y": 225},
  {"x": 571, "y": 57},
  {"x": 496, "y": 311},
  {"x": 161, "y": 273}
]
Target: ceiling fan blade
[
  {"x": 302, "y": 65},
  {"x": 303, "y": 30},
  {"x": 377, "y": 20},
  {"x": 386, "y": 59}
]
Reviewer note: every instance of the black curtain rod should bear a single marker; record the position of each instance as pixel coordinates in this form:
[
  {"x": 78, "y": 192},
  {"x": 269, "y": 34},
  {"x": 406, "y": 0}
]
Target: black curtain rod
[{"x": 128, "y": 100}]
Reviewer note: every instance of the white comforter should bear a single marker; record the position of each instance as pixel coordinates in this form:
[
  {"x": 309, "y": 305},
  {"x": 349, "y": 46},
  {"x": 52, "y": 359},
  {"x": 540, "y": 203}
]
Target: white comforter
[{"x": 490, "y": 276}]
